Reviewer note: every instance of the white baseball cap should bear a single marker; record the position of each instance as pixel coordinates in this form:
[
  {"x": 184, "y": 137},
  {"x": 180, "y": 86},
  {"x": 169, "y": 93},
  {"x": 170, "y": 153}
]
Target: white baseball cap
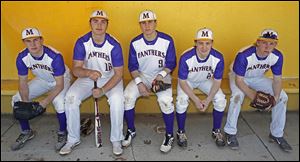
[
  {"x": 99, "y": 13},
  {"x": 204, "y": 34},
  {"x": 31, "y": 32},
  {"x": 147, "y": 15},
  {"x": 268, "y": 34}
]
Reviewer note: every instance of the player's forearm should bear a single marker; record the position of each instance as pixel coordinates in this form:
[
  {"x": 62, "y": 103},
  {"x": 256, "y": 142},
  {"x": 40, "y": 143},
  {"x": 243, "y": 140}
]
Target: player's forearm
[
  {"x": 277, "y": 87},
  {"x": 135, "y": 74},
  {"x": 114, "y": 80},
  {"x": 187, "y": 90},
  {"x": 24, "y": 90},
  {"x": 243, "y": 87},
  {"x": 214, "y": 89},
  {"x": 81, "y": 72}
]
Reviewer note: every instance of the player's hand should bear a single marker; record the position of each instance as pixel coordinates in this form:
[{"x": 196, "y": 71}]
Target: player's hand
[
  {"x": 98, "y": 92},
  {"x": 43, "y": 103},
  {"x": 94, "y": 75},
  {"x": 159, "y": 77},
  {"x": 199, "y": 105},
  {"x": 205, "y": 103},
  {"x": 144, "y": 91}
]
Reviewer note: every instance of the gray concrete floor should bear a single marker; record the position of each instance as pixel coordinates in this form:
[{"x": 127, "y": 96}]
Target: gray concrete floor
[{"x": 253, "y": 130}]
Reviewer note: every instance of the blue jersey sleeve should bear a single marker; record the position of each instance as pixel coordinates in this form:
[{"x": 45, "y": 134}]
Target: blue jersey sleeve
[
  {"x": 132, "y": 60},
  {"x": 22, "y": 68},
  {"x": 240, "y": 65},
  {"x": 171, "y": 57},
  {"x": 58, "y": 65},
  {"x": 277, "y": 68},
  {"x": 79, "y": 51},
  {"x": 117, "y": 56},
  {"x": 218, "y": 74},
  {"x": 183, "y": 69}
]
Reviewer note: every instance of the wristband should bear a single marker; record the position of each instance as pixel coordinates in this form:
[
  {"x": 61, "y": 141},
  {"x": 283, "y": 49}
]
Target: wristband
[
  {"x": 163, "y": 73},
  {"x": 137, "y": 80},
  {"x": 103, "y": 92}
]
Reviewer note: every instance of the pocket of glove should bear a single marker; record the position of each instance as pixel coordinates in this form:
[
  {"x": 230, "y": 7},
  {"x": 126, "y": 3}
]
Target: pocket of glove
[
  {"x": 27, "y": 110},
  {"x": 86, "y": 126},
  {"x": 158, "y": 86},
  {"x": 263, "y": 101}
]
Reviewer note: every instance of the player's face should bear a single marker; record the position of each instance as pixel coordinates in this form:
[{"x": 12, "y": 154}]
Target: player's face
[
  {"x": 148, "y": 27},
  {"x": 265, "y": 47},
  {"x": 34, "y": 44},
  {"x": 98, "y": 25},
  {"x": 204, "y": 46}
]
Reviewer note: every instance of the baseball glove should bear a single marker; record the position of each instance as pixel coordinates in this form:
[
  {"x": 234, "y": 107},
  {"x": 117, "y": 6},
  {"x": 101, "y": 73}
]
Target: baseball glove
[
  {"x": 86, "y": 126},
  {"x": 263, "y": 101},
  {"x": 158, "y": 86},
  {"x": 27, "y": 110}
]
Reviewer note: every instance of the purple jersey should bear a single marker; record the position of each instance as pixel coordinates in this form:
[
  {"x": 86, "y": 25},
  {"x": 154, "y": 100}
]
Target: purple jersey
[
  {"x": 248, "y": 64},
  {"x": 150, "y": 57},
  {"x": 194, "y": 69},
  {"x": 100, "y": 57},
  {"x": 46, "y": 67}
]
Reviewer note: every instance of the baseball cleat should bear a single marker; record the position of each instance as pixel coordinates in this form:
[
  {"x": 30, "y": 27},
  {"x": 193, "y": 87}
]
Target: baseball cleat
[
  {"x": 117, "y": 148},
  {"x": 167, "y": 143},
  {"x": 218, "y": 137},
  {"x": 61, "y": 140},
  {"x": 68, "y": 147},
  {"x": 181, "y": 139},
  {"x": 128, "y": 138},
  {"x": 22, "y": 139},
  {"x": 281, "y": 142},
  {"x": 232, "y": 141}
]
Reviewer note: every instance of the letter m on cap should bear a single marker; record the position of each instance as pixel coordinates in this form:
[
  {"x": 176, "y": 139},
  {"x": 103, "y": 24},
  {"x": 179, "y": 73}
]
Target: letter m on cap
[
  {"x": 204, "y": 33},
  {"x": 145, "y": 15},
  {"x": 99, "y": 13},
  {"x": 29, "y": 32}
]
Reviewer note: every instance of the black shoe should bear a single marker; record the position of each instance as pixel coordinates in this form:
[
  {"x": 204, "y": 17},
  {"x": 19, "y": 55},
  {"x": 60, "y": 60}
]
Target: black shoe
[
  {"x": 61, "y": 140},
  {"x": 232, "y": 141},
  {"x": 128, "y": 138},
  {"x": 281, "y": 142},
  {"x": 22, "y": 139},
  {"x": 181, "y": 139},
  {"x": 218, "y": 137}
]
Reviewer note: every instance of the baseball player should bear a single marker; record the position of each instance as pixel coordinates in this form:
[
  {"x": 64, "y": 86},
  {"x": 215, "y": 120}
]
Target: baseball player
[
  {"x": 151, "y": 57},
  {"x": 247, "y": 77},
  {"x": 201, "y": 67},
  {"x": 51, "y": 75},
  {"x": 97, "y": 57}
]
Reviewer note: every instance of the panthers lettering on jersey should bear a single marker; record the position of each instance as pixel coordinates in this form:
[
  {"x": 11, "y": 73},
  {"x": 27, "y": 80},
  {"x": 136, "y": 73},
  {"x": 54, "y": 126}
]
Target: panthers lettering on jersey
[
  {"x": 248, "y": 64},
  {"x": 150, "y": 57},
  {"x": 46, "y": 67},
  {"x": 101, "y": 57},
  {"x": 193, "y": 69}
]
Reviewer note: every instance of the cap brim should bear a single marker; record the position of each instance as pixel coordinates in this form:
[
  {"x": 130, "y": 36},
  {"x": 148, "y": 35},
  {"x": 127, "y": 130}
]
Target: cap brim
[
  {"x": 147, "y": 20},
  {"x": 31, "y": 37},
  {"x": 268, "y": 39},
  {"x": 203, "y": 39},
  {"x": 99, "y": 17}
]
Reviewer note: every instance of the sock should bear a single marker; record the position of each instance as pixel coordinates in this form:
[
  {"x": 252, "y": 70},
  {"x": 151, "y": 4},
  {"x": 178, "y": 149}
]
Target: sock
[
  {"x": 24, "y": 125},
  {"x": 217, "y": 119},
  {"x": 181, "y": 121},
  {"x": 62, "y": 120},
  {"x": 129, "y": 117},
  {"x": 169, "y": 122}
]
